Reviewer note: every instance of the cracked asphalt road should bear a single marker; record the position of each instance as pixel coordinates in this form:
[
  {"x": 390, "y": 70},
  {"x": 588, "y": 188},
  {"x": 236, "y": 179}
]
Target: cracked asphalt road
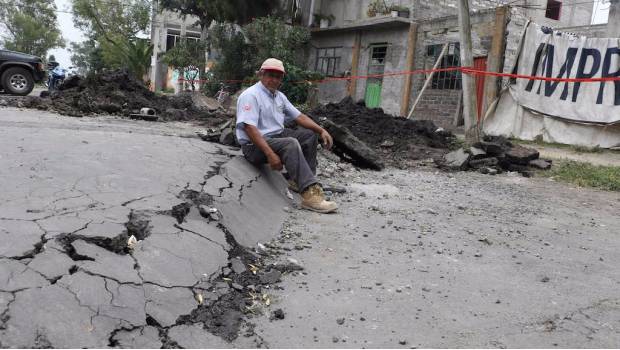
[
  {"x": 75, "y": 190},
  {"x": 428, "y": 259}
]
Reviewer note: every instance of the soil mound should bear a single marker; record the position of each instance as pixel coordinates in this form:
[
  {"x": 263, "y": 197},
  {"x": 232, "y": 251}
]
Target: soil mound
[
  {"x": 114, "y": 93},
  {"x": 401, "y": 142}
]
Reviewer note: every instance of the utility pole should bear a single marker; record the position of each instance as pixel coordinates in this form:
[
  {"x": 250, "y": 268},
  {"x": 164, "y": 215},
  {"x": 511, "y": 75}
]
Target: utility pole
[
  {"x": 469, "y": 84},
  {"x": 613, "y": 23}
]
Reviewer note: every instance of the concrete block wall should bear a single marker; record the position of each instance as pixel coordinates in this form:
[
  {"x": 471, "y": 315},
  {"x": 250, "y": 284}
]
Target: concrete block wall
[{"x": 441, "y": 105}]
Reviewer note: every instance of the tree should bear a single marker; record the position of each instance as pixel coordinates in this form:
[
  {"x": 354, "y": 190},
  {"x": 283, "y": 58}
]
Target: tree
[
  {"x": 187, "y": 57},
  {"x": 87, "y": 57},
  {"x": 31, "y": 25},
  {"x": 113, "y": 26},
  {"x": 232, "y": 11}
]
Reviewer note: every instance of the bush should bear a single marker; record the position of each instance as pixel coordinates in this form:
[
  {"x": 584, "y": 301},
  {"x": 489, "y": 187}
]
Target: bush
[{"x": 244, "y": 50}]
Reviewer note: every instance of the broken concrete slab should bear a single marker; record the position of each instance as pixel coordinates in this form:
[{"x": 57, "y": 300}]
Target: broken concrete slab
[
  {"x": 178, "y": 259},
  {"x": 257, "y": 192},
  {"x": 56, "y": 225},
  {"x": 491, "y": 148},
  {"x": 14, "y": 276},
  {"x": 483, "y": 162},
  {"x": 196, "y": 337},
  {"x": 521, "y": 155},
  {"x": 19, "y": 237},
  {"x": 457, "y": 160},
  {"x": 103, "y": 230},
  {"x": 347, "y": 143},
  {"x": 140, "y": 338},
  {"x": 237, "y": 266},
  {"x": 51, "y": 263},
  {"x": 540, "y": 164},
  {"x": 122, "y": 302},
  {"x": 165, "y": 305},
  {"x": 216, "y": 184},
  {"x": 477, "y": 153},
  {"x": 115, "y": 266},
  {"x": 53, "y": 317}
]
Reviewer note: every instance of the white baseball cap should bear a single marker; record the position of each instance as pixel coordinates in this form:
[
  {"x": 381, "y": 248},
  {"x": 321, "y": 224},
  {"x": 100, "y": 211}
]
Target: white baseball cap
[{"x": 273, "y": 64}]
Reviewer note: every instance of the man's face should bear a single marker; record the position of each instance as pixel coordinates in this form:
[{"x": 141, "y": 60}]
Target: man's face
[{"x": 272, "y": 79}]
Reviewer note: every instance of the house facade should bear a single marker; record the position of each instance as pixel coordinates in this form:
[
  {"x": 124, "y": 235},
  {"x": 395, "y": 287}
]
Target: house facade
[{"x": 377, "y": 47}]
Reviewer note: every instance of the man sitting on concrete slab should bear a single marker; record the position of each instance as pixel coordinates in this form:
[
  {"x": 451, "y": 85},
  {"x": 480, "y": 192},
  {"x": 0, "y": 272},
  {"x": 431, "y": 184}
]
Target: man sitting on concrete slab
[{"x": 262, "y": 111}]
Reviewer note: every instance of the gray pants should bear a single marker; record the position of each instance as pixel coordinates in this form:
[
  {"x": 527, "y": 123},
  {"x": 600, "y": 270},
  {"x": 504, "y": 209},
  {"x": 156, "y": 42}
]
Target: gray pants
[{"x": 296, "y": 149}]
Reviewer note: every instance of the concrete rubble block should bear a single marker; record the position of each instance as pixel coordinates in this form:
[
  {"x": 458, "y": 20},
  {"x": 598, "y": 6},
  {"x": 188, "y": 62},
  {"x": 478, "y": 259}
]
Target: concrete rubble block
[
  {"x": 14, "y": 275},
  {"x": 196, "y": 223},
  {"x": 18, "y": 237},
  {"x": 165, "y": 305},
  {"x": 493, "y": 149},
  {"x": 52, "y": 317},
  {"x": 257, "y": 192},
  {"x": 353, "y": 147},
  {"x": 51, "y": 263},
  {"x": 227, "y": 137},
  {"x": 477, "y": 153},
  {"x": 117, "y": 214},
  {"x": 540, "y": 164},
  {"x": 521, "y": 155},
  {"x": 237, "y": 265},
  {"x": 163, "y": 225},
  {"x": 155, "y": 203},
  {"x": 483, "y": 162},
  {"x": 178, "y": 259},
  {"x": 106, "y": 263},
  {"x": 457, "y": 160},
  {"x": 139, "y": 338},
  {"x": 196, "y": 337}
]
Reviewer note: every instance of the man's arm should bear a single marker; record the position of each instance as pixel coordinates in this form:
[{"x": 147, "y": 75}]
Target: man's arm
[
  {"x": 259, "y": 141},
  {"x": 307, "y": 122}
]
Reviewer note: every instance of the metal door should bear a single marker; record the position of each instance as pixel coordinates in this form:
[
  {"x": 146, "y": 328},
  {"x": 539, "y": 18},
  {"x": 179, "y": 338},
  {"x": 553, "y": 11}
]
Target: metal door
[{"x": 376, "y": 66}]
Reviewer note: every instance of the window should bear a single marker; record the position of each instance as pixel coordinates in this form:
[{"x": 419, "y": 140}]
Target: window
[
  {"x": 445, "y": 80},
  {"x": 174, "y": 36},
  {"x": 377, "y": 59},
  {"x": 328, "y": 60},
  {"x": 553, "y": 9}
]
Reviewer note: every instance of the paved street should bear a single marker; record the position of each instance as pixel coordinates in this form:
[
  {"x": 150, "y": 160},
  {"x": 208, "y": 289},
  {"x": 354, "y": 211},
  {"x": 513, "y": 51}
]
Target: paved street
[
  {"x": 75, "y": 190},
  {"x": 416, "y": 258},
  {"x": 429, "y": 259}
]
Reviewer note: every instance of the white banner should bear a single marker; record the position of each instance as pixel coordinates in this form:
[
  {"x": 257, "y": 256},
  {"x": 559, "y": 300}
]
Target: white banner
[{"x": 560, "y": 55}]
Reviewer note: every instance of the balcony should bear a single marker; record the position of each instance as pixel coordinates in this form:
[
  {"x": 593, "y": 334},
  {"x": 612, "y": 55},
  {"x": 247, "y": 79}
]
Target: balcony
[{"x": 373, "y": 23}]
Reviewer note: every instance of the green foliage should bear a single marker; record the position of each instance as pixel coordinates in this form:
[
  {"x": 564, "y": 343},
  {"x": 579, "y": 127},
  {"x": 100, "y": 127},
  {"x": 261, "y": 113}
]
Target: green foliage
[
  {"x": 585, "y": 174},
  {"x": 221, "y": 11},
  {"x": 87, "y": 57},
  {"x": 31, "y": 26},
  {"x": 243, "y": 51},
  {"x": 112, "y": 27}
]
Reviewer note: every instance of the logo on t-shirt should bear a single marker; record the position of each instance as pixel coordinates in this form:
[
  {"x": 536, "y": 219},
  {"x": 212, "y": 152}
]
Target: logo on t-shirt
[{"x": 247, "y": 108}]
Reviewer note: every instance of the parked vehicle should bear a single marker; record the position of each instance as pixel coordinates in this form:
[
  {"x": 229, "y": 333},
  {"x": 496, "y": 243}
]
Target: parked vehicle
[{"x": 19, "y": 72}]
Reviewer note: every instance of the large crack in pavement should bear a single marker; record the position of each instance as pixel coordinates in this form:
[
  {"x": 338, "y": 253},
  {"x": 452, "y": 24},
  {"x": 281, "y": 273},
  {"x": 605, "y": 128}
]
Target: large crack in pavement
[{"x": 134, "y": 282}]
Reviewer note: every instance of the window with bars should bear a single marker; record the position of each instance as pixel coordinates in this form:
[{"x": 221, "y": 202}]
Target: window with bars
[
  {"x": 445, "y": 80},
  {"x": 328, "y": 60}
]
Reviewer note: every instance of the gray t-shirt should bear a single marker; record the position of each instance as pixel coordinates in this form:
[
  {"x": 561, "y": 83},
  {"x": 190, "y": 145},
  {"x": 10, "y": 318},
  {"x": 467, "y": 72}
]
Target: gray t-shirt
[{"x": 268, "y": 112}]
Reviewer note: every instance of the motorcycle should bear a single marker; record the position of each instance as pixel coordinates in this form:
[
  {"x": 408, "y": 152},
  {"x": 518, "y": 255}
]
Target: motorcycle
[{"x": 55, "y": 77}]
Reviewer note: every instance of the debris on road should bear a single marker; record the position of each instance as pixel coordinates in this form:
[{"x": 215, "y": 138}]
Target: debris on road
[{"x": 494, "y": 155}]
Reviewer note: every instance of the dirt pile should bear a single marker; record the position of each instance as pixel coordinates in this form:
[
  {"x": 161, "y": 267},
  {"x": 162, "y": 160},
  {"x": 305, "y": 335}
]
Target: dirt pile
[
  {"x": 495, "y": 155},
  {"x": 114, "y": 93},
  {"x": 400, "y": 142}
]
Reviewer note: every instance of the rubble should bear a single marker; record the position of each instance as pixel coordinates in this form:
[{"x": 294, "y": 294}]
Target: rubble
[
  {"x": 495, "y": 155},
  {"x": 398, "y": 141},
  {"x": 117, "y": 93}
]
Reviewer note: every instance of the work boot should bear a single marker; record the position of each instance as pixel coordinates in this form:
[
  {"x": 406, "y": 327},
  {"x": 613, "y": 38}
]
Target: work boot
[
  {"x": 292, "y": 185},
  {"x": 314, "y": 199}
]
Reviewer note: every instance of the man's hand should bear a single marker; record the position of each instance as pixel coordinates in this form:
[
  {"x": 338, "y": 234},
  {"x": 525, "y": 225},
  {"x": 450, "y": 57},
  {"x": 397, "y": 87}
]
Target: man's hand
[
  {"x": 328, "y": 141},
  {"x": 274, "y": 161}
]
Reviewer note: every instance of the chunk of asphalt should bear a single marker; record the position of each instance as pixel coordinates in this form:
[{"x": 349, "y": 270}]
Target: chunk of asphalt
[
  {"x": 237, "y": 266},
  {"x": 270, "y": 277},
  {"x": 139, "y": 338}
]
